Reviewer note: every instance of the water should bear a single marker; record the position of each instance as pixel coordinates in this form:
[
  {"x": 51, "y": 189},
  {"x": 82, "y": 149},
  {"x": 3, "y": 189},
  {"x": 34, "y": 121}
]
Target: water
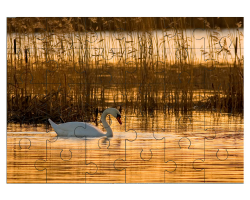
[
  {"x": 202, "y": 147},
  {"x": 156, "y": 147}
]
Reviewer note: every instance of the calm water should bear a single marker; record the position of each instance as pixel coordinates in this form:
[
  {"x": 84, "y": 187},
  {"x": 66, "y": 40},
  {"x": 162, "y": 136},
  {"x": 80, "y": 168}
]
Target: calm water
[
  {"x": 202, "y": 147},
  {"x": 199, "y": 147}
]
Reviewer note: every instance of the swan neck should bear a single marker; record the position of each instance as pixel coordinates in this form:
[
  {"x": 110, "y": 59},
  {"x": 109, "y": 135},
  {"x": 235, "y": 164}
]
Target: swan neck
[{"x": 106, "y": 125}]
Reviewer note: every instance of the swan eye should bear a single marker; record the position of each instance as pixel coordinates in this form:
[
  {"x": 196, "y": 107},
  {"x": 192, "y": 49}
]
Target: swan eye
[{"x": 118, "y": 115}]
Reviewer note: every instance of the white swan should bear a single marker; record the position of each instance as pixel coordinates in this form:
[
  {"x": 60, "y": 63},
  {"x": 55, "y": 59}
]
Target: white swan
[{"x": 82, "y": 129}]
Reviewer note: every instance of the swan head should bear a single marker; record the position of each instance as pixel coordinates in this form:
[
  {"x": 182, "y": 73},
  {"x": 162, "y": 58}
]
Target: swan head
[{"x": 115, "y": 113}]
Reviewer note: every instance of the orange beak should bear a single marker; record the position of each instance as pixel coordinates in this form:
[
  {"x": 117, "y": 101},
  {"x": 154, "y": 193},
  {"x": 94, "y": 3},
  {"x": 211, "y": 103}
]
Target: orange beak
[{"x": 119, "y": 120}]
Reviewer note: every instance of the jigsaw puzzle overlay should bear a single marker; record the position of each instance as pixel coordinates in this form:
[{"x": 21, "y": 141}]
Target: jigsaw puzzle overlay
[{"x": 125, "y": 100}]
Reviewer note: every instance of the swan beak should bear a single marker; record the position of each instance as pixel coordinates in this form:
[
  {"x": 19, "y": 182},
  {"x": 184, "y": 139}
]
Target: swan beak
[{"x": 119, "y": 120}]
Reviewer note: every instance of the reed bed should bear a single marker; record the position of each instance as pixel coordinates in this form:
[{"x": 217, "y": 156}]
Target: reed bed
[{"x": 71, "y": 69}]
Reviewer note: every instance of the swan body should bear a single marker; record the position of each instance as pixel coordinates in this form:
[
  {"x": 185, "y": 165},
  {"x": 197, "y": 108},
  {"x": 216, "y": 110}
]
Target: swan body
[{"x": 82, "y": 129}]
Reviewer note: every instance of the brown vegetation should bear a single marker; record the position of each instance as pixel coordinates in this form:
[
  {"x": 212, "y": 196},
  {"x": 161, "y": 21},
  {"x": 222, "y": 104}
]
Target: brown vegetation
[{"x": 55, "y": 69}]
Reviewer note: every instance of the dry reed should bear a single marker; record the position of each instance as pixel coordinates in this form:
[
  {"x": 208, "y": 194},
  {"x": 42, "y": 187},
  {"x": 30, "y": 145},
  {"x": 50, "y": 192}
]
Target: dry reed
[{"x": 59, "y": 69}]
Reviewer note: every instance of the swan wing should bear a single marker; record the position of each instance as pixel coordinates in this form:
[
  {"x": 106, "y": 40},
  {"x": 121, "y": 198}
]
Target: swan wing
[{"x": 78, "y": 129}]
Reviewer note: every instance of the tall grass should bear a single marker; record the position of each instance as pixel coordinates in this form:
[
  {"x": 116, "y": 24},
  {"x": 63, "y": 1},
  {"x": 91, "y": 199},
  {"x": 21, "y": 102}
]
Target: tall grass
[{"x": 72, "y": 69}]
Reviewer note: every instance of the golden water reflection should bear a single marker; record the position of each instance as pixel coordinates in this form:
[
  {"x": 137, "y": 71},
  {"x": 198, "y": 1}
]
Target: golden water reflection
[{"x": 158, "y": 149}]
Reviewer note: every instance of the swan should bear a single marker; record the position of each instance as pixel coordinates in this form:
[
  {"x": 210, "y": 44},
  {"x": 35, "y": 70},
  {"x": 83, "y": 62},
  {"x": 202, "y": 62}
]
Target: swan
[{"x": 82, "y": 129}]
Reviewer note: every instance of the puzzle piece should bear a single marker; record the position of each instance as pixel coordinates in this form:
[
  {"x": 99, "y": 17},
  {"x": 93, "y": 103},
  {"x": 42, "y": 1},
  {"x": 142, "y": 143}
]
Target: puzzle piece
[
  {"x": 183, "y": 75},
  {"x": 181, "y": 151},
  {"x": 102, "y": 151},
  {"x": 219, "y": 161},
  {"x": 63, "y": 158},
  {"x": 21, "y": 150},
  {"x": 136, "y": 163}
]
